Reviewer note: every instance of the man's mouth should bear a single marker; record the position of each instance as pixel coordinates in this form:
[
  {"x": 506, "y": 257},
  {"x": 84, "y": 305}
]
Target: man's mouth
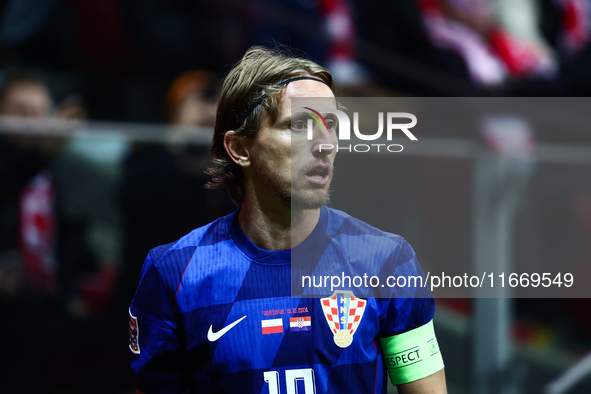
[{"x": 319, "y": 174}]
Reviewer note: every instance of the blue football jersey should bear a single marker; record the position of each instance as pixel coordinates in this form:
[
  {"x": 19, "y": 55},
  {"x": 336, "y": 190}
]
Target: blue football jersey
[{"x": 214, "y": 313}]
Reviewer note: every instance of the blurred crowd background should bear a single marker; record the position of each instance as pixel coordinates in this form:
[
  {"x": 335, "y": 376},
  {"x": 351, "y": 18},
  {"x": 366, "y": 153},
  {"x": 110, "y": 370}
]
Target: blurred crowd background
[{"x": 79, "y": 211}]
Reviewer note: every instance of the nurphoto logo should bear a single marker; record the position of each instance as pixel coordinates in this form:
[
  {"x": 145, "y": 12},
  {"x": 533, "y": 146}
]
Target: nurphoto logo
[{"x": 344, "y": 129}]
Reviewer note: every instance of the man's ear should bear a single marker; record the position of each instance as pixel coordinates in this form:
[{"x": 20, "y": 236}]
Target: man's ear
[{"x": 237, "y": 148}]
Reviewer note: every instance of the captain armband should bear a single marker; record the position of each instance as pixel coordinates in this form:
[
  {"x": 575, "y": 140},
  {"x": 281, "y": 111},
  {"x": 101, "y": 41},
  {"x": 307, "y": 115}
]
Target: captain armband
[{"x": 412, "y": 355}]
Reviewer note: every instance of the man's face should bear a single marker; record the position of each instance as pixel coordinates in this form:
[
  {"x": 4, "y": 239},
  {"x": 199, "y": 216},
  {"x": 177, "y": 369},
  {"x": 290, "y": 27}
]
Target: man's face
[
  {"x": 26, "y": 99},
  {"x": 288, "y": 165},
  {"x": 195, "y": 110}
]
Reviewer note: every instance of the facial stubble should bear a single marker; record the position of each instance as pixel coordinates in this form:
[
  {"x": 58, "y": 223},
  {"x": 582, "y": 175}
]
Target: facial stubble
[{"x": 283, "y": 189}]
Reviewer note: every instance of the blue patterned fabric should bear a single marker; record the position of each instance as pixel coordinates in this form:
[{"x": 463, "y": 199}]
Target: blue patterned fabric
[{"x": 192, "y": 290}]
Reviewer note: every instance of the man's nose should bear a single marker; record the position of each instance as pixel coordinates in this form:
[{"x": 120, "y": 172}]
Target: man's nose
[{"x": 324, "y": 141}]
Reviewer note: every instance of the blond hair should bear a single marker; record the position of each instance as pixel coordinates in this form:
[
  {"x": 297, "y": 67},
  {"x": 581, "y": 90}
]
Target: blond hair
[{"x": 258, "y": 73}]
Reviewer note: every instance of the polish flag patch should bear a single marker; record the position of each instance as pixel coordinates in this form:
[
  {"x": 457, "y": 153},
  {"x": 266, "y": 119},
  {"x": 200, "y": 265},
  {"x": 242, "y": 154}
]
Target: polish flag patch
[
  {"x": 272, "y": 326},
  {"x": 300, "y": 323}
]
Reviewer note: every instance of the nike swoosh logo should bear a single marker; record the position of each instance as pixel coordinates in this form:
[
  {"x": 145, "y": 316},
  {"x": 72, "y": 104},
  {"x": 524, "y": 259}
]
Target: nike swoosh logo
[{"x": 214, "y": 336}]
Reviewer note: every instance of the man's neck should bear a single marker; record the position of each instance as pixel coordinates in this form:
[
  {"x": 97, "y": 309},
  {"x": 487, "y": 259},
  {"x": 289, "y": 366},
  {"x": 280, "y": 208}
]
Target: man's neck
[{"x": 275, "y": 226}]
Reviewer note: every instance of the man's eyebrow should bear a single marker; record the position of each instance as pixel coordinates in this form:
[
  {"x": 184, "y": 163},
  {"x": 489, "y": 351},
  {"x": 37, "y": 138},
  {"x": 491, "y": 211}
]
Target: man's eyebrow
[{"x": 285, "y": 122}]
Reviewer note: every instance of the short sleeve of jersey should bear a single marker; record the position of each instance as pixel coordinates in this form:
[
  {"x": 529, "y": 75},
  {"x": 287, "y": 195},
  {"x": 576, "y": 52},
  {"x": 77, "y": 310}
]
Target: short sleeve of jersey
[
  {"x": 413, "y": 308},
  {"x": 155, "y": 349},
  {"x": 408, "y": 340}
]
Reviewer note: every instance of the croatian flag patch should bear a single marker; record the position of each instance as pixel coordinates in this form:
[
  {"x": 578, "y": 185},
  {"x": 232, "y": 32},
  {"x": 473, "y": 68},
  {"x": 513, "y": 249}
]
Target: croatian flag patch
[
  {"x": 300, "y": 323},
  {"x": 134, "y": 334}
]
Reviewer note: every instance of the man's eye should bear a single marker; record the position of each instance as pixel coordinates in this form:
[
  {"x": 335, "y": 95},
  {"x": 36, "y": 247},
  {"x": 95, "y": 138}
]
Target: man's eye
[
  {"x": 331, "y": 124},
  {"x": 298, "y": 125}
]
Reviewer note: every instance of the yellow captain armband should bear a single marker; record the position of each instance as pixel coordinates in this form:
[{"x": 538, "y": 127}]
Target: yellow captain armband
[{"x": 412, "y": 355}]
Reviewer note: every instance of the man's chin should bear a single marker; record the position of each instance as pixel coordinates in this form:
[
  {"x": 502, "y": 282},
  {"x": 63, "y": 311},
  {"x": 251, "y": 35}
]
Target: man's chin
[{"x": 302, "y": 202}]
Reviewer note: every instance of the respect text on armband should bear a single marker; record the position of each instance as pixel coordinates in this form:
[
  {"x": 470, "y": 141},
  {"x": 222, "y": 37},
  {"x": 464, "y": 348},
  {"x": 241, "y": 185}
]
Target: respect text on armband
[{"x": 403, "y": 358}]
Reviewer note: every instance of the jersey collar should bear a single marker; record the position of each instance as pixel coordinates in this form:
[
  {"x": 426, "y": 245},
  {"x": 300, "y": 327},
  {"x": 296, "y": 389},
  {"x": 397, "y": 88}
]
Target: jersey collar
[{"x": 276, "y": 256}]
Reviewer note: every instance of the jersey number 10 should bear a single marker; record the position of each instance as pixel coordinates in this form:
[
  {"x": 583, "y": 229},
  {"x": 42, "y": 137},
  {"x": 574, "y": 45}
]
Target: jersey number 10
[{"x": 291, "y": 378}]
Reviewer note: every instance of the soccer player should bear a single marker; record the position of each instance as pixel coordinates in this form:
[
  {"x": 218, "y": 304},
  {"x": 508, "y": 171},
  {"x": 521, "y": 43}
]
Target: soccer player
[{"x": 214, "y": 310}]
